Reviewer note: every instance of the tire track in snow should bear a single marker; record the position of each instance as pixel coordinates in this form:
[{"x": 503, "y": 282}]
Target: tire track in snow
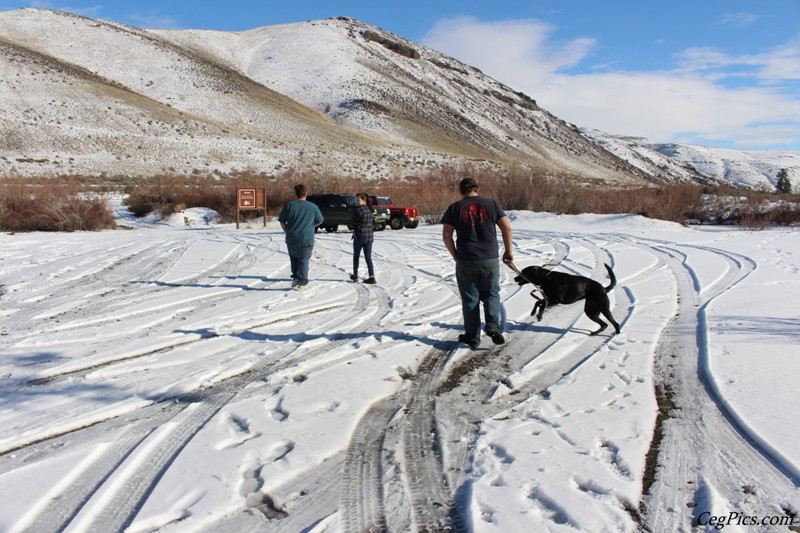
[
  {"x": 451, "y": 411},
  {"x": 56, "y": 512},
  {"x": 428, "y": 489},
  {"x": 365, "y": 483},
  {"x": 108, "y": 496},
  {"x": 491, "y": 384},
  {"x": 703, "y": 449},
  {"x": 363, "y": 473},
  {"x": 430, "y": 480},
  {"x": 362, "y": 497},
  {"x": 149, "y": 297},
  {"x": 68, "y": 297}
]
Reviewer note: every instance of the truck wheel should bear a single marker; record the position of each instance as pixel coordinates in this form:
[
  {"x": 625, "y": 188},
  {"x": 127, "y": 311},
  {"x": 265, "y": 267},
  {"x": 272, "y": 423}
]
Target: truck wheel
[
  {"x": 380, "y": 227},
  {"x": 412, "y": 225},
  {"x": 396, "y": 223},
  {"x": 331, "y": 229}
]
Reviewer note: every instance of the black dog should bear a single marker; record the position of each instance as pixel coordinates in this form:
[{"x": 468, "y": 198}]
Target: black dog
[{"x": 561, "y": 288}]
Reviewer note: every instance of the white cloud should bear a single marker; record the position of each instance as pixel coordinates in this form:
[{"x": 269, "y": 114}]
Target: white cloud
[
  {"x": 668, "y": 107},
  {"x": 515, "y": 49},
  {"x": 709, "y": 98},
  {"x": 781, "y": 63},
  {"x": 738, "y": 20},
  {"x": 776, "y": 65}
]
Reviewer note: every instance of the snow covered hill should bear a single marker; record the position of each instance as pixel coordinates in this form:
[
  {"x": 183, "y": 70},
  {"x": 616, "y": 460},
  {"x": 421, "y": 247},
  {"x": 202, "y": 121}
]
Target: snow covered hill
[
  {"x": 337, "y": 96},
  {"x": 757, "y": 169},
  {"x": 97, "y": 97}
]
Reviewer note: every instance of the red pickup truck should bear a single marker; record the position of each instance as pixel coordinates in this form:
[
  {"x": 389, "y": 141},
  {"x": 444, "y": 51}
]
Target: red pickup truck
[{"x": 400, "y": 217}]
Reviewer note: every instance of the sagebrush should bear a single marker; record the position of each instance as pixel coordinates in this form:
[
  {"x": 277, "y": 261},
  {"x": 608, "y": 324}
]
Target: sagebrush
[
  {"x": 71, "y": 203},
  {"x": 65, "y": 204}
]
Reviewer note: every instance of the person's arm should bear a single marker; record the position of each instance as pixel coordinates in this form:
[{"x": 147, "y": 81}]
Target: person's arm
[
  {"x": 447, "y": 237},
  {"x": 505, "y": 230},
  {"x": 282, "y": 218}
]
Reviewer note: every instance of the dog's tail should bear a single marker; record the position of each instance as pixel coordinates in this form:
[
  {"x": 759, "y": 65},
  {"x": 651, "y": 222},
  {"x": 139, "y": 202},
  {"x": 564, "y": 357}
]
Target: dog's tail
[{"x": 613, "y": 282}]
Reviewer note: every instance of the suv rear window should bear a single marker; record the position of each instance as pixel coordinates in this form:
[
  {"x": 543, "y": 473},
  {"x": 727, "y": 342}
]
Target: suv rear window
[{"x": 333, "y": 200}]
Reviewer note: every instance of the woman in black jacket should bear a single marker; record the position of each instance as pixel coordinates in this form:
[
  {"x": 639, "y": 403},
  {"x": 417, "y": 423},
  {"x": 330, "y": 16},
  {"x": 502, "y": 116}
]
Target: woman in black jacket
[{"x": 363, "y": 235}]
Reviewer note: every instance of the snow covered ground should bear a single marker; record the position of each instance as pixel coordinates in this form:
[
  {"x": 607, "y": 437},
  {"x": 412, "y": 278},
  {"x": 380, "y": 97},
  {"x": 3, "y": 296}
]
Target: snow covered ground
[{"x": 166, "y": 378}]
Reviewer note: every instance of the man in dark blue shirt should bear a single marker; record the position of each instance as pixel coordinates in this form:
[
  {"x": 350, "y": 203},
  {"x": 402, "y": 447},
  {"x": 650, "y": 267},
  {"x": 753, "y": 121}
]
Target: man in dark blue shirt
[
  {"x": 299, "y": 220},
  {"x": 476, "y": 252}
]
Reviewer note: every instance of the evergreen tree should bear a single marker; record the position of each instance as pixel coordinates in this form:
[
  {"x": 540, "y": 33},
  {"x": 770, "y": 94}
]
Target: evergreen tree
[{"x": 784, "y": 184}]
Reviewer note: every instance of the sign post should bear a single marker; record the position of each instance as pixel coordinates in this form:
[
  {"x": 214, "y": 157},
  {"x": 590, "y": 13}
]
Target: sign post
[{"x": 251, "y": 199}]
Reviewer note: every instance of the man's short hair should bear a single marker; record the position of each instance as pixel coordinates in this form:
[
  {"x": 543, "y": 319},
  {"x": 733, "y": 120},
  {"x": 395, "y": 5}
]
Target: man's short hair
[
  {"x": 468, "y": 185},
  {"x": 300, "y": 190}
]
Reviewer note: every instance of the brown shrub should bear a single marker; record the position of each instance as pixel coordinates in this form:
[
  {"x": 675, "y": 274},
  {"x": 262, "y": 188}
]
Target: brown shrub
[
  {"x": 169, "y": 193},
  {"x": 431, "y": 192},
  {"x": 786, "y": 214},
  {"x": 521, "y": 189},
  {"x": 750, "y": 216},
  {"x": 56, "y": 204}
]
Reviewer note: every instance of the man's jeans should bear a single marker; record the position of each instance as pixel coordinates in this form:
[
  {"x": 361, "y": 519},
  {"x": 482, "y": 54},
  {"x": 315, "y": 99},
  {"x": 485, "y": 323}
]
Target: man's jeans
[
  {"x": 479, "y": 281},
  {"x": 299, "y": 257}
]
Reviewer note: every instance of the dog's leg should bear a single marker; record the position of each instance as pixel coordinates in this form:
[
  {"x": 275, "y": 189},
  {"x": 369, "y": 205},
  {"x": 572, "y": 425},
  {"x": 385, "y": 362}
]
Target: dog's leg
[
  {"x": 606, "y": 311},
  {"x": 538, "y": 309},
  {"x": 603, "y": 326},
  {"x": 611, "y": 319},
  {"x": 595, "y": 316},
  {"x": 542, "y": 306}
]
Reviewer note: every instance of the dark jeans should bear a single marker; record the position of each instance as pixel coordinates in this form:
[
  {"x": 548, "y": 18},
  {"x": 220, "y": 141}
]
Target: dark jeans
[
  {"x": 357, "y": 247},
  {"x": 479, "y": 282},
  {"x": 299, "y": 257}
]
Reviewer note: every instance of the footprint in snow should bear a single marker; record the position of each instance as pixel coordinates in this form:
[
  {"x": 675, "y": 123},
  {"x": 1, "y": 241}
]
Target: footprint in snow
[
  {"x": 277, "y": 412},
  {"x": 239, "y": 430},
  {"x": 280, "y": 451}
]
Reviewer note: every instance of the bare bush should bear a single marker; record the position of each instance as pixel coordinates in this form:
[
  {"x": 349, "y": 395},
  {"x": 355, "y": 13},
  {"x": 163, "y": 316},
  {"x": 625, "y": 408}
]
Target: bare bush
[
  {"x": 786, "y": 214},
  {"x": 170, "y": 193},
  {"x": 751, "y": 217},
  {"x": 56, "y": 204},
  {"x": 521, "y": 189},
  {"x": 431, "y": 192}
]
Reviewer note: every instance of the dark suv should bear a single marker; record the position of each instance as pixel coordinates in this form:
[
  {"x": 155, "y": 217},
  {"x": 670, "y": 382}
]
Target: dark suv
[{"x": 337, "y": 209}]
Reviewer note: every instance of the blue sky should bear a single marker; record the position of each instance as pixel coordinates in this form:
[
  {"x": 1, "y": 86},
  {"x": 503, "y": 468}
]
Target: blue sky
[{"x": 707, "y": 72}]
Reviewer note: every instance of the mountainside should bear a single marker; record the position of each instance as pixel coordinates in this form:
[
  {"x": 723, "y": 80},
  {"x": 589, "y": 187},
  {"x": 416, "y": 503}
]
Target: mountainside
[
  {"x": 96, "y": 97},
  {"x": 337, "y": 96},
  {"x": 757, "y": 169}
]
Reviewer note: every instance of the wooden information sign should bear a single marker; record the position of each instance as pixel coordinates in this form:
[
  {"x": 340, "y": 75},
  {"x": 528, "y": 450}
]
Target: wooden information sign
[{"x": 251, "y": 199}]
